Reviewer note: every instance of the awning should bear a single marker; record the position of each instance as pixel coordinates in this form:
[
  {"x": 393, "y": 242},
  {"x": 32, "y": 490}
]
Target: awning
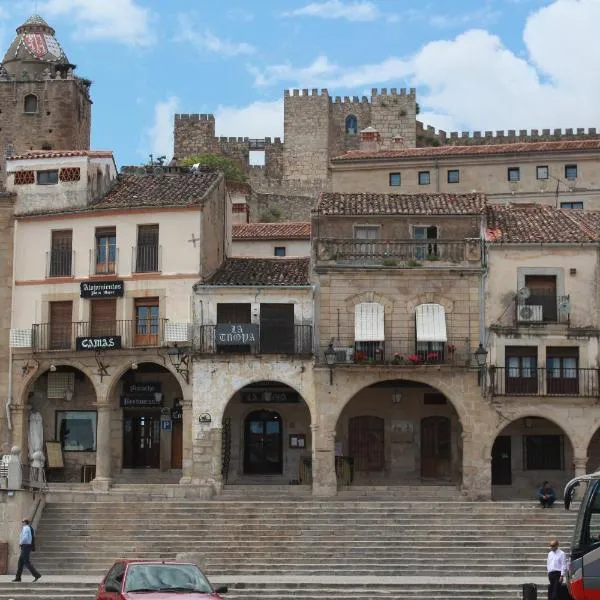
[
  {"x": 431, "y": 323},
  {"x": 368, "y": 322}
]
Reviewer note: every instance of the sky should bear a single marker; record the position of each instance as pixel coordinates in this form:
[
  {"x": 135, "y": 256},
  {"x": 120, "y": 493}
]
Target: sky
[{"x": 476, "y": 64}]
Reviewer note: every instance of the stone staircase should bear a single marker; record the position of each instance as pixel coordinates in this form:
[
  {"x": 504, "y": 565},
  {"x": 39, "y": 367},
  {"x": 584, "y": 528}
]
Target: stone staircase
[{"x": 295, "y": 546}]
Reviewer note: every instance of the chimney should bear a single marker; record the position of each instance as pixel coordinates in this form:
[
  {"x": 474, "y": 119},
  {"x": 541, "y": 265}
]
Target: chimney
[{"x": 370, "y": 140}]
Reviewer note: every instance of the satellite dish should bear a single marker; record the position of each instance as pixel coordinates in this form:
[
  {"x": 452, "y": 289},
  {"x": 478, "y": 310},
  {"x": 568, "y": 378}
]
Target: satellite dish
[
  {"x": 524, "y": 293},
  {"x": 564, "y": 305}
]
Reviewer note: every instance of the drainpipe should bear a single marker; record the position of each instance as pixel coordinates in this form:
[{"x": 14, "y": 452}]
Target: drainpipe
[
  {"x": 12, "y": 313},
  {"x": 9, "y": 393}
]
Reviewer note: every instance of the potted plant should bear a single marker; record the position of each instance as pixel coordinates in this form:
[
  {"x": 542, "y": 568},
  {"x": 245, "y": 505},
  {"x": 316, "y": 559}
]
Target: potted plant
[
  {"x": 398, "y": 359},
  {"x": 414, "y": 359},
  {"x": 360, "y": 356}
]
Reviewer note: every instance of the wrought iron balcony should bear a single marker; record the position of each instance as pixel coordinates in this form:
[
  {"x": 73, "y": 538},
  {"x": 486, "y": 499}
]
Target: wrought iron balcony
[
  {"x": 400, "y": 351},
  {"x": 140, "y": 333},
  {"x": 146, "y": 258},
  {"x": 245, "y": 338},
  {"x": 543, "y": 382},
  {"x": 398, "y": 253},
  {"x": 59, "y": 263},
  {"x": 542, "y": 307}
]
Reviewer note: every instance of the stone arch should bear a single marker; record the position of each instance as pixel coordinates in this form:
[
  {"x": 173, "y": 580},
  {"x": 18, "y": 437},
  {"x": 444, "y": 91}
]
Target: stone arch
[
  {"x": 30, "y": 104},
  {"x": 386, "y": 301},
  {"x": 430, "y": 298}
]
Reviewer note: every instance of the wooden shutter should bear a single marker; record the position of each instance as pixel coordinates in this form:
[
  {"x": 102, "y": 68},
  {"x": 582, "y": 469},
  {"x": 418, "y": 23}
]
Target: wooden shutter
[
  {"x": 61, "y": 315},
  {"x": 103, "y": 317},
  {"x": 233, "y": 313},
  {"x": 62, "y": 240}
]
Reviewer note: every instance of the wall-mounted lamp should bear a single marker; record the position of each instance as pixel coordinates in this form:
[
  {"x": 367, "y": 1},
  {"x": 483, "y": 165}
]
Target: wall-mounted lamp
[
  {"x": 180, "y": 359},
  {"x": 134, "y": 366},
  {"x": 52, "y": 368},
  {"x": 396, "y": 397},
  {"x": 330, "y": 359},
  {"x": 481, "y": 359},
  {"x": 528, "y": 422}
]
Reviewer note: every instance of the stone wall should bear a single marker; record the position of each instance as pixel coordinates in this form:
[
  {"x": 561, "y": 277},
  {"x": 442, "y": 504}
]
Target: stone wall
[{"x": 280, "y": 207}]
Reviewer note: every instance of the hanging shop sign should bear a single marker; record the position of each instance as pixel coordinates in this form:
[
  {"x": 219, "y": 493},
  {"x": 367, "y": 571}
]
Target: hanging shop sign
[
  {"x": 270, "y": 397},
  {"x": 142, "y": 395},
  {"x": 100, "y": 342},
  {"x": 236, "y": 334},
  {"x": 102, "y": 289},
  {"x": 143, "y": 387}
]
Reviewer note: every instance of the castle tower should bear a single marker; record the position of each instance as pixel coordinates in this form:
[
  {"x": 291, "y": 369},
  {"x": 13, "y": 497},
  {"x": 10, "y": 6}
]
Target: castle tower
[{"x": 43, "y": 105}]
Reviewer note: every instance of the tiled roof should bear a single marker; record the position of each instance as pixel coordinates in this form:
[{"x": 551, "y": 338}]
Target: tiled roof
[
  {"x": 272, "y": 231},
  {"x": 61, "y": 154},
  {"x": 262, "y": 271},
  {"x": 538, "y": 223},
  {"x": 477, "y": 150},
  {"x": 330, "y": 203},
  {"x": 180, "y": 189}
]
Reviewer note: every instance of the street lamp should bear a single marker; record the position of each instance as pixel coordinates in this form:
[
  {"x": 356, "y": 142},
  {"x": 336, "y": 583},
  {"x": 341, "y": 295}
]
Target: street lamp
[
  {"x": 481, "y": 358},
  {"x": 330, "y": 358},
  {"x": 180, "y": 358}
]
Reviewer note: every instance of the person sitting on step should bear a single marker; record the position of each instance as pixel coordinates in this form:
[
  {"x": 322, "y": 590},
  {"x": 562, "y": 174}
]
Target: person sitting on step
[{"x": 546, "y": 495}]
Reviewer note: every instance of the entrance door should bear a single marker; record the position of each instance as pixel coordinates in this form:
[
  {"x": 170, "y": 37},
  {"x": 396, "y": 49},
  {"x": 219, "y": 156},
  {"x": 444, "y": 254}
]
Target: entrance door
[
  {"x": 277, "y": 328},
  {"x": 263, "y": 443},
  {"x": 436, "y": 448},
  {"x": 501, "y": 461},
  {"x": 177, "y": 444},
  {"x": 146, "y": 322},
  {"x": 103, "y": 317},
  {"x": 141, "y": 440},
  {"x": 366, "y": 443}
]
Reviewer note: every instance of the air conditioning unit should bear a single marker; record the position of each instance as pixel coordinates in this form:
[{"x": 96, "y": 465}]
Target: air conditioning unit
[
  {"x": 343, "y": 354},
  {"x": 530, "y": 313}
]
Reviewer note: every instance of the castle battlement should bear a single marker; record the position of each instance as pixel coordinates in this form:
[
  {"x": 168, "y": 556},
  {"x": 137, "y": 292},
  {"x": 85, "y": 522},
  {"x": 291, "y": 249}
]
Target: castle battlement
[
  {"x": 194, "y": 117},
  {"x": 274, "y": 142},
  {"x": 236, "y": 140},
  {"x": 409, "y": 93},
  {"x": 304, "y": 92}
]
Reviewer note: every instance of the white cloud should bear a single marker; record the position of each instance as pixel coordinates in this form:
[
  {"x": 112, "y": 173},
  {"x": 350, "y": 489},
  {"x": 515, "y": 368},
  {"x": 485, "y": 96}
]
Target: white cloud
[
  {"x": 208, "y": 41},
  {"x": 358, "y": 10},
  {"x": 124, "y": 21},
  {"x": 475, "y": 82},
  {"x": 160, "y": 134},
  {"x": 482, "y": 16},
  {"x": 257, "y": 120}
]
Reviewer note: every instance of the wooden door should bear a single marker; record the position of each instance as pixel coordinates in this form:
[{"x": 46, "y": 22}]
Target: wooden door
[
  {"x": 234, "y": 313},
  {"x": 141, "y": 440},
  {"x": 146, "y": 322},
  {"x": 177, "y": 445},
  {"x": 61, "y": 317},
  {"x": 103, "y": 317},
  {"x": 436, "y": 448},
  {"x": 263, "y": 451},
  {"x": 366, "y": 443},
  {"x": 277, "y": 328},
  {"x": 501, "y": 461}
]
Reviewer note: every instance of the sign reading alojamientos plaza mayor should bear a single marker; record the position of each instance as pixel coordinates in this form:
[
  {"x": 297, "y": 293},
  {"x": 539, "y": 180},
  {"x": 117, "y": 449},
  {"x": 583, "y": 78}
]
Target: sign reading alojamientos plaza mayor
[{"x": 102, "y": 289}]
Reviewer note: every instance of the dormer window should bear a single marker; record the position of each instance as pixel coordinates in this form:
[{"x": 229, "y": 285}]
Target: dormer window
[
  {"x": 31, "y": 104},
  {"x": 351, "y": 125}
]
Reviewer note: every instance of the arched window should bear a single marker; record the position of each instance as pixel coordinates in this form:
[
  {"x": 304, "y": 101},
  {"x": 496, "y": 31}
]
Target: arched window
[
  {"x": 351, "y": 125},
  {"x": 31, "y": 103}
]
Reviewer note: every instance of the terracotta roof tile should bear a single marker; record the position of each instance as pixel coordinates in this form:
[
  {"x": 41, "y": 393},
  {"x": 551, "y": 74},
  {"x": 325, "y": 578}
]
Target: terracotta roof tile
[
  {"x": 538, "y": 223},
  {"x": 272, "y": 231},
  {"x": 475, "y": 150},
  {"x": 61, "y": 153},
  {"x": 262, "y": 271},
  {"x": 329, "y": 203}
]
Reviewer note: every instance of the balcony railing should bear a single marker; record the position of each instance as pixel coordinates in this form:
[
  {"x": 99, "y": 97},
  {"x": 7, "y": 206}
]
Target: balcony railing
[
  {"x": 400, "y": 351},
  {"x": 146, "y": 258},
  {"x": 543, "y": 382},
  {"x": 103, "y": 262},
  {"x": 59, "y": 263},
  {"x": 542, "y": 306},
  {"x": 292, "y": 340},
  {"x": 141, "y": 333},
  {"x": 401, "y": 253}
]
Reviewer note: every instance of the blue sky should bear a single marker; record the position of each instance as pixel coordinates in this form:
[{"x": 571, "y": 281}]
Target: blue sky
[{"x": 476, "y": 64}]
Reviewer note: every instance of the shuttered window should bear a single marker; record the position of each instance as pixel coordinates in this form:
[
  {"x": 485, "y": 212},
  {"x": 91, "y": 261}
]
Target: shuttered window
[
  {"x": 61, "y": 253},
  {"x": 147, "y": 249},
  {"x": 61, "y": 316},
  {"x": 369, "y": 322},
  {"x": 431, "y": 323},
  {"x": 103, "y": 317}
]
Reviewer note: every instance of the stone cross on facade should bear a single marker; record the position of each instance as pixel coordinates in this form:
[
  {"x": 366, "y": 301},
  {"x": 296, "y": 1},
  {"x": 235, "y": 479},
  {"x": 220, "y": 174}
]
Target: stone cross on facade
[{"x": 194, "y": 239}]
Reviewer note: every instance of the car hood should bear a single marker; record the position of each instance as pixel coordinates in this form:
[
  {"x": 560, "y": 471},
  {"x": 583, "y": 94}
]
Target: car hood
[{"x": 170, "y": 596}]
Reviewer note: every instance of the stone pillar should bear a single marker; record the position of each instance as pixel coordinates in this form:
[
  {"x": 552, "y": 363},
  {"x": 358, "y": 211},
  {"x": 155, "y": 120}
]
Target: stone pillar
[
  {"x": 207, "y": 457},
  {"x": 102, "y": 480},
  {"x": 324, "y": 482},
  {"x": 20, "y": 429},
  {"x": 187, "y": 459},
  {"x": 580, "y": 468},
  {"x": 15, "y": 472},
  {"x": 477, "y": 469}
]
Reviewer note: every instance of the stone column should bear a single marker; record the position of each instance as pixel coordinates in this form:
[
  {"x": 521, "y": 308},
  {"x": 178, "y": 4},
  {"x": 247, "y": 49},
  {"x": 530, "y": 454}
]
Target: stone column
[
  {"x": 187, "y": 459},
  {"x": 102, "y": 480},
  {"x": 20, "y": 429},
  {"x": 324, "y": 482},
  {"x": 477, "y": 469},
  {"x": 580, "y": 468},
  {"x": 206, "y": 467}
]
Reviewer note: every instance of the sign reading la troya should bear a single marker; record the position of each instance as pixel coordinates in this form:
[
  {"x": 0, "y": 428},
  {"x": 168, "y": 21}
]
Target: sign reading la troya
[{"x": 102, "y": 289}]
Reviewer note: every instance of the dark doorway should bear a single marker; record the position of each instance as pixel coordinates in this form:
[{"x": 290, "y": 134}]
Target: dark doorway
[
  {"x": 277, "y": 328},
  {"x": 501, "y": 461},
  {"x": 366, "y": 443},
  {"x": 263, "y": 443},
  {"x": 177, "y": 445},
  {"x": 436, "y": 448},
  {"x": 141, "y": 439}
]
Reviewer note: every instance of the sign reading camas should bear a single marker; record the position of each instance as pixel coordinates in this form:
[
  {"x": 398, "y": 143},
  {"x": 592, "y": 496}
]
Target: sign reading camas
[{"x": 100, "y": 342}]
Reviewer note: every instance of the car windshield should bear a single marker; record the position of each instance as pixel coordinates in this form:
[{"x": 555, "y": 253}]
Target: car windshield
[{"x": 164, "y": 577}]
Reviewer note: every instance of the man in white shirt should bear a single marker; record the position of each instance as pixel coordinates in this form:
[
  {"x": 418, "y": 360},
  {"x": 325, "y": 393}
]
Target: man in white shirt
[
  {"x": 557, "y": 568},
  {"x": 26, "y": 543}
]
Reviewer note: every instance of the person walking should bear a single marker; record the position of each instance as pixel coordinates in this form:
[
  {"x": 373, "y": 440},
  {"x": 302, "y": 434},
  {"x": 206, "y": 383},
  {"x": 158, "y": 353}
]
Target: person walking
[
  {"x": 27, "y": 543},
  {"x": 557, "y": 568}
]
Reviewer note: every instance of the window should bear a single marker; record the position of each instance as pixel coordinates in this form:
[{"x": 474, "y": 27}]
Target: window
[
  {"x": 425, "y": 251},
  {"x": 453, "y": 176},
  {"x": 521, "y": 370},
  {"x": 395, "y": 179},
  {"x": 542, "y": 295},
  {"x": 47, "y": 177},
  {"x": 576, "y": 205},
  {"x": 103, "y": 317},
  {"x": 147, "y": 249},
  {"x": 30, "y": 104},
  {"x": 543, "y": 452},
  {"x": 369, "y": 333},
  {"x": 61, "y": 254},
  {"x": 146, "y": 322},
  {"x": 351, "y": 125},
  {"x": 366, "y": 232},
  {"x": 106, "y": 251},
  {"x": 562, "y": 371},
  {"x": 514, "y": 174},
  {"x": 424, "y": 178},
  {"x": 570, "y": 171},
  {"x": 277, "y": 329},
  {"x": 61, "y": 322},
  {"x": 279, "y": 251},
  {"x": 24, "y": 177},
  {"x": 541, "y": 172},
  {"x": 431, "y": 333},
  {"x": 76, "y": 430}
]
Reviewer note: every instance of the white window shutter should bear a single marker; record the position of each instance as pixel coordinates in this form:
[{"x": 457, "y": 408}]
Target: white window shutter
[{"x": 369, "y": 322}]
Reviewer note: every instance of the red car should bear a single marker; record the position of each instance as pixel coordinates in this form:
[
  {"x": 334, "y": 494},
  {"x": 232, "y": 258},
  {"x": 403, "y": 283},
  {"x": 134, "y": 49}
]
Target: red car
[{"x": 156, "y": 580}]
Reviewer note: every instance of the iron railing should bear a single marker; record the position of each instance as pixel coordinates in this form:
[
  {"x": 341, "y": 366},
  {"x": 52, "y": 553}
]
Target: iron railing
[
  {"x": 59, "y": 263},
  {"x": 400, "y": 351},
  {"x": 140, "y": 333},
  {"x": 403, "y": 253},
  {"x": 292, "y": 340},
  {"x": 146, "y": 258},
  {"x": 543, "y": 382},
  {"x": 33, "y": 478},
  {"x": 103, "y": 262},
  {"x": 344, "y": 470},
  {"x": 542, "y": 306}
]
